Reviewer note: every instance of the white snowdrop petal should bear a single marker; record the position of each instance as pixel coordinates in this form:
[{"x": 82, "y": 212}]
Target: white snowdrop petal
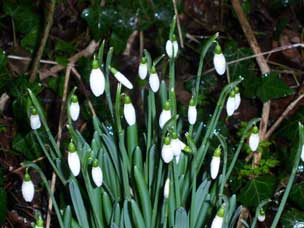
[
  {"x": 215, "y": 166},
  {"x": 35, "y": 121},
  {"x": 230, "y": 106},
  {"x": 167, "y": 189},
  {"x": 254, "y": 141},
  {"x": 38, "y": 226},
  {"x": 74, "y": 163},
  {"x": 219, "y": 63},
  {"x": 302, "y": 153},
  {"x": 97, "y": 82},
  {"x": 74, "y": 110},
  {"x": 237, "y": 101},
  {"x": 143, "y": 70},
  {"x": 261, "y": 218},
  {"x": 192, "y": 114},
  {"x": 165, "y": 115},
  {"x": 171, "y": 48},
  {"x": 97, "y": 176},
  {"x": 129, "y": 114},
  {"x": 175, "y": 46},
  {"x": 28, "y": 190},
  {"x": 167, "y": 153},
  {"x": 176, "y": 147},
  {"x": 217, "y": 222},
  {"x": 154, "y": 82},
  {"x": 123, "y": 80},
  {"x": 182, "y": 145},
  {"x": 177, "y": 158}
]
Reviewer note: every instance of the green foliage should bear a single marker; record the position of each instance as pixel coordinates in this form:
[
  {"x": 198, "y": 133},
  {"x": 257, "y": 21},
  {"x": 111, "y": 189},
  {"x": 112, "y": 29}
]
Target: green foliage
[
  {"x": 297, "y": 195},
  {"x": 263, "y": 168},
  {"x": 292, "y": 218}
]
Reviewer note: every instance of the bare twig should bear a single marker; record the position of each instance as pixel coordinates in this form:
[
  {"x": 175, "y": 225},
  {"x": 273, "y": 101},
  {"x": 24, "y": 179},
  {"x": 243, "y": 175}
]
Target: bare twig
[
  {"x": 27, "y": 59},
  {"x": 48, "y": 24},
  {"x": 180, "y": 35},
  {"x": 23, "y": 167},
  {"x": 141, "y": 44},
  {"x": 263, "y": 67}
]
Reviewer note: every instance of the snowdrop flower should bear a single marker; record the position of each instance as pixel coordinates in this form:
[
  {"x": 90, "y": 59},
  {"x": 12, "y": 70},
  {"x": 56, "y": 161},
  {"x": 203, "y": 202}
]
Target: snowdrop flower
[
  {"x": 165, "y": 115},
  {"x": 74, "y": 108},
  {"x": 254, "y": 139},
  {"x": 143, "y": 68},
  {"x": 154, "y": 80},
  {"x": 219, "y": 218},
  {"x": 129, "y": 111},
  {"x": 302, "y": 153},
  {"x": 230, "y": 104},
  {"x": 167, "y": 189},
  {"x": 192, "y": 112},
  {"x": 97, "y": 79},
  {"x": 39, "y": 223},
  {"x": 27, "y": 188},
  {"x": 172, "y": 47},
  {"x": 73, "y": 159},
  {"x": 166, "y": 152},
  {"x": 35, "y": 119},
  {"x": 176, "y": 145},
  {"x": 97, "y": 174},
  {"x": 215, "y": 163},
  {"x": 237, "y": 98},
  {"x": 121, "y": 78},
  {"x": 219, "y": 60},
  {"x": 261, "y": 215}
]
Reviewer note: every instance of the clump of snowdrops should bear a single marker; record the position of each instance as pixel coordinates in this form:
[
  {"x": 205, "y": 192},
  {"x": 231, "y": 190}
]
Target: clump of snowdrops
[{"x": 158, "y": 176}]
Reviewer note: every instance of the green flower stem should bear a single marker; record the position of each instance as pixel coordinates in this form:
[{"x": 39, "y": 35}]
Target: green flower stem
[
  {"x": 117, "y": 108},
  {"x": 291, "y": 178},
  {"x": 107, "y": 83},
  {"x": 100, "y": 53},
  {"x": 132, "y": 138},
  {"x": 43, "y": 178},
  {"x": 172, "y": 27},
  {"x": 225, "y": 150},
  {"x": 172, "y": 96},
  {"x": 176, "y": 184}
]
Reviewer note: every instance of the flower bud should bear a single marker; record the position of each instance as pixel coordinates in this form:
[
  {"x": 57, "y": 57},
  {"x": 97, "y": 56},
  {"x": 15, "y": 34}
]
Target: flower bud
[
  {"x": 143, "y": 68},
  {"x": 74, "y": 108},
  {"x": 167, "y": 189},
  {"x": 215, "y": 163},
  {"x": 73, "y": 159},
  {"x": 129, "y": 111},
  {"x": 254, "y": 139},
  {"x": 121, "y": 78},
  {"x": 165, "y": 115},
  {"x": 97, "y": 174},
  {"x": 230, "y": 104},
  {"x": 192, "y": 112},
  {"x": 167, "y": 153},
  {"x": 35, "y": 119},
  {"x": 219, "y": 218},
  {"x": 261, "y": 215},
  {"x": 97, "y": 79},
  {"x": 27, "y": 188},
  {"x": 172, "y": 47},
  {"x": 219, "y": 60},
  {"x": 154, "y": 80},
  {"x": 237, "y": 98}
]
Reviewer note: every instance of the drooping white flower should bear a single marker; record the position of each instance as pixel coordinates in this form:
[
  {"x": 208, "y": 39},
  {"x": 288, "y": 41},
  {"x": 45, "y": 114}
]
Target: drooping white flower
[
  {"x": 73, "y": 159},
  {"x": 35, "y": 119},
  {"x": 219, "y": 60},
  {"x": 154, "y": 80},
  {"x": 237, "y": 98},
  {"x": 27, "y": 188},
  {"x": 129, "y": 111},
  {"x": 97, "y": 79},
  {"x": 215, "y": 163},
  {"x": 97, "y": 174},
  {"x": 39, "y": 223},
  {"x": 143, "y": 68},
  {"x": 165, "y": 115},
  {"x": 176, "y": 145},
  {"x": 74, "y": 108},
  {"x": 218, "y": 219},
  {"x": 192, "y": 112},
  {"x": 254, "y": 139},
  {"x": 302, "y": 153},
  {"x": 167, "y": 189},
  {"x": 121, "y": 78},
  {"x": 172, "y": 47},
  {"x": 230, "y": 104},
  {"x": 166, "y": 152},
  {"x": 261, "y": 215}
]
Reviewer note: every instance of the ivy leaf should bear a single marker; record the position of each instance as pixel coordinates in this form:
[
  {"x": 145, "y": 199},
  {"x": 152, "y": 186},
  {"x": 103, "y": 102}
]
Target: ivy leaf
[
  {"x": 272, "y": 87},
  {"x": 297, "y": 195},
  {"x": 256, "y": 190},
  {"x": 292, "y": 218}
]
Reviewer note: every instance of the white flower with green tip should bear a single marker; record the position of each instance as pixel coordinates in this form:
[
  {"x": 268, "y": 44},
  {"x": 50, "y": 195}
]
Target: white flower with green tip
[
  {"x": 215, "y": 163},
  {"x": 167, "y": 189},
  {"x": 35, "y": 119},
  {"x": 165, "y": 115},
  {"x": 97, "y": 174},
  {"x": 237, "y": 98},
  {"x": 74, "y": 108},
  {"x": 27, "y": 188},
  {"x": 176, "y": 145},
  {"x": 219, "y": 218},
  {"x": 219, "y": 60},
  {"x": 192, "y": 112},
  {"x": 166, "y": 152},
  {"x": 97, "y": 79},
  {"x": 302, "y": 153},
  {"x": 172, "y": 47},
  {"x": 121, "y": 78},
  {"x": 230, "y": 104},
  {"x": 143, "y": 68},
  {"x": 254, "y": 139},
  {"x": 73, "y": 159},
  {"x": 261, "y": 215},
  {"x": 154, "y": 80},
  {"x": 129, "y": 111}
]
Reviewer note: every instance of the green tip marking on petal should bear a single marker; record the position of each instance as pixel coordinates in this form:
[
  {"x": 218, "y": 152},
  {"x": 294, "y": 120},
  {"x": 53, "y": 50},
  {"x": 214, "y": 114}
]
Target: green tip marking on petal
[
  {"x": 218, "y": 49},
  {"x": 95, "y": 163},
  {"x": 173, "y": 37},
  {"x": 127, "y": 100},
  {"x": 255, "y": 130},
  {"x": 74, "y": 99},
  {"x": 221, "y": 212},
  {"x": 143, "y": 60},
  {"x": 174, "y": 135},
  {"x": 217, "y": 152},
  {"x": 33, "y": 111},
  {"x": 71, "y": 147},
  {"x": 167, "y": 141},
  {"x": 95, "y": 64},
  {"x": 261, "y": 211},
  {"x": 232, "y": 94},
  {"x": 27, "y": 176},
  {"x": 187, "y": 149},
  {"x": 167, "y": 106}
]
